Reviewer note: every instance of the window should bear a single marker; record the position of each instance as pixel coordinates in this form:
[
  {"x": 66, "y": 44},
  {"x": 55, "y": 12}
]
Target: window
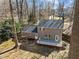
[
  {"x": 45, "y": 35},
  {"x": 56, "y": 37},
  {"x": 42, "y": 29},
  {"x": 49, "y": 36}
]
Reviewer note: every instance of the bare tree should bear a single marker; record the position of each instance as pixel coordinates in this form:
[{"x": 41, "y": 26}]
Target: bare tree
[
  {"x": 74, "y": 42},
  {"x": 18, "y": 9},
  {"x": 62, "y": 11},
  {"x": 49, "y": 9},
  {"x": 21, "y": 11},
  {"x": 53, "y": 7},
  {"x": 40, "y": 9},
  {"x": 26, "y": 7},
  {"x": 32, "y": 16},
  {"x": 13, "y": 23},
  {"x": 34, "y": 12},
  {"x": 5, "y": 8}
]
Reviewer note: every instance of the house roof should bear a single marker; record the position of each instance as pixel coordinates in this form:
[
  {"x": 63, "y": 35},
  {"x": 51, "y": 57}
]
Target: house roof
[
  {"x": 44, "y": 23},
  {"x": 51, "y": 23},
  {"x": 30, "y": 29}
]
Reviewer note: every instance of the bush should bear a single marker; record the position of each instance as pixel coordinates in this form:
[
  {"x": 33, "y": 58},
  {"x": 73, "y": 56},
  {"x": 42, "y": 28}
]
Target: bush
[
  {"x": 18, "y": 27},
  {"x": 5, "y": 31}
]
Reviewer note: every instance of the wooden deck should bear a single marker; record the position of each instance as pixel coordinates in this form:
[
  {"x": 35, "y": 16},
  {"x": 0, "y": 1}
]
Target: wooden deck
[{"x": 49, "y": 42}]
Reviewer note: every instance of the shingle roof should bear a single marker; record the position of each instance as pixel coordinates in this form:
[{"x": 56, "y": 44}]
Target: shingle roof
[
  {"x": 45, "y": 23},
  {"x": 30, "y": 29},
  {"x": 51, "y": 23}
]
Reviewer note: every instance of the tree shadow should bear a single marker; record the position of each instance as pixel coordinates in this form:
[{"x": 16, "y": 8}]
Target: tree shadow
[
  {"x": 8, "y": 50},
  {"x": 30, "y": 45}
]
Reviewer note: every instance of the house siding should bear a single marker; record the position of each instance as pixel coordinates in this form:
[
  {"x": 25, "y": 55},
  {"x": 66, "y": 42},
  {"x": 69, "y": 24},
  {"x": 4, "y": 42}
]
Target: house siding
[{"x": 50, "y": 31}]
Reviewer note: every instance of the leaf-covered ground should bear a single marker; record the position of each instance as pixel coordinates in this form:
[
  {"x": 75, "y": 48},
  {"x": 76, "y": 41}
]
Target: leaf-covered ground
[
  {"x": 30, "y": 50},
  {"x": 7, "y": 45}
]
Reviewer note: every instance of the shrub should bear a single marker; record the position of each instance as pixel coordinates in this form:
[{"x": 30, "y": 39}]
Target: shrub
[
  {"x": 18, "y": 27},
  {"x": 5, "y": 31}
]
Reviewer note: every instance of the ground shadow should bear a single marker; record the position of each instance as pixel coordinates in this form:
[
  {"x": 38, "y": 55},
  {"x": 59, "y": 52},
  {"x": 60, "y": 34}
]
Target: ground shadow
[
  {"x": 30, "y": 45},
  {"x": 8, "y": 50}
]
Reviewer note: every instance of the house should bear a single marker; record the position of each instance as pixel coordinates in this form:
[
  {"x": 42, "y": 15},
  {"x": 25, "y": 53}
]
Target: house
[
  {"x": 50, "y": 32},
  {"x": 30, "y": 32},
  {"x": 47, "y": 32}
]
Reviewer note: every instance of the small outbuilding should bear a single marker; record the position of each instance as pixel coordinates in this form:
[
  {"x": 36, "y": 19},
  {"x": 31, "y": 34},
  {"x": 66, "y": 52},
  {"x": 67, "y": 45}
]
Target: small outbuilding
[
  {"x": 30, "y": 32},
  {"x": 47, "y": 32},
  {"x": 50, "y": 32}
]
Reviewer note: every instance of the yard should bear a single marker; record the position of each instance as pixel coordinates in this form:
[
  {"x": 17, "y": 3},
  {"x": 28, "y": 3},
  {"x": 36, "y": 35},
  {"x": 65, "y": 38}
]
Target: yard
[{"x": 30, "y": 50}]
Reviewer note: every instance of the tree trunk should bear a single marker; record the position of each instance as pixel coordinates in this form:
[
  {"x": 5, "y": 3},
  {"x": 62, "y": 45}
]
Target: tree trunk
[
  {"x": 26, "y": 7},
  {"x": 74, "y": 43},
  {"x": 53, "y": 8},
  {"x": 18, "y": 9},
  {"x": 34, "y": 12},
  {"x": 13, "y": 25},
  {"x": 21, "y": 12}
]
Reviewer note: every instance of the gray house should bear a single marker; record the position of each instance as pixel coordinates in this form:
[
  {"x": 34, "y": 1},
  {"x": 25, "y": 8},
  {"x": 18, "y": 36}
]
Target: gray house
[
  {"x": 47, "y": 32},
  {"x": 50, "y": 32},
  {"x": 30, "y": 32}
]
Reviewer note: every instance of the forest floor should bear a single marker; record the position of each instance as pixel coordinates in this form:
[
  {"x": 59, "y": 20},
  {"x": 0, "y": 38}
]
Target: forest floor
[
  {"x": 7, "y": 45},
  {"x": 30, "y": 50}
]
